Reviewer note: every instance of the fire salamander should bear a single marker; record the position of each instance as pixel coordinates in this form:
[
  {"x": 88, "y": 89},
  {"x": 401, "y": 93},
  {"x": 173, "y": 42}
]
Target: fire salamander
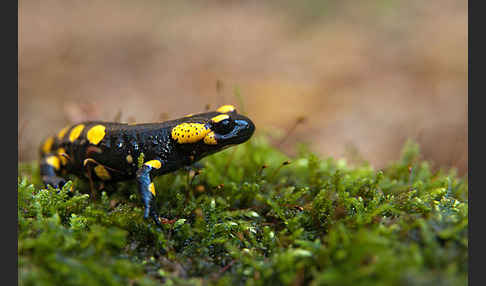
[{"x": 105, "y": 151}]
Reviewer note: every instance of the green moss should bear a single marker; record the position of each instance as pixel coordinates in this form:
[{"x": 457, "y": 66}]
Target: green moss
[{"x": 251, "y": 217}]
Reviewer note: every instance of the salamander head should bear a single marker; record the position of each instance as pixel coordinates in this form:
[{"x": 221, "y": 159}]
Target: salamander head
[
  {"x": 213, "y": 131},
  {"x": 230, "y": 129}
]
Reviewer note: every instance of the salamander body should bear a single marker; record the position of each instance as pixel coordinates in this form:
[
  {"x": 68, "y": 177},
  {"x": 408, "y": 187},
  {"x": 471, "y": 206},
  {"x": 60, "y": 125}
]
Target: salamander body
[{"x": 109, "y": 152}]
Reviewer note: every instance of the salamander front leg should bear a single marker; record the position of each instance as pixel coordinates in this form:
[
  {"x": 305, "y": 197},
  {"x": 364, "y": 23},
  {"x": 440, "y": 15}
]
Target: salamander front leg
[
  {"x": 146, "y": 189},
  {"x": 48, "y": 167}
]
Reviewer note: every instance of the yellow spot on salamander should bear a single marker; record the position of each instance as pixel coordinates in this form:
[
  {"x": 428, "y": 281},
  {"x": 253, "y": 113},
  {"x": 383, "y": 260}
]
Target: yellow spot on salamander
[
  {"x": 189, "y": 115},
  {"x": 152, "y": 188},
  {"x": 53, "y": 161},
  {"x": 95, "y": 134},
  {"x": 46, "y": 148},
  {"x": 226, "y": 108},
  {"x": 102, "y": 173},
  {"x": 219, "y": 118},
  {"x": 189, "y": 132},
  {"x": 61, "y": 133},
  {"x": 129, "y": 159},
  {"x": 62, "y": 155},
  {"x": 154, "y": 164},
  {"x": 76, "y": 132},
  {"x": 210, "y": 139}
]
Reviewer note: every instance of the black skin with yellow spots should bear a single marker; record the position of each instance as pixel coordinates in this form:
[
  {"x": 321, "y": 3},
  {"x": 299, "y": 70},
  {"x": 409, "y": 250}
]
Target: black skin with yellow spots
[{"x": 121, "y": 145}]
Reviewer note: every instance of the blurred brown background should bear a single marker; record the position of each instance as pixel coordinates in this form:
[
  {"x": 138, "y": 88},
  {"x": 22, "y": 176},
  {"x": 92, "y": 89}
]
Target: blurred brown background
[{"x": 366, "y": 75}]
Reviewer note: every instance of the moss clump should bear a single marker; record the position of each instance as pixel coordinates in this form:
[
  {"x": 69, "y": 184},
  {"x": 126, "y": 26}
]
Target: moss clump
[{"x": 250, "y": 217}]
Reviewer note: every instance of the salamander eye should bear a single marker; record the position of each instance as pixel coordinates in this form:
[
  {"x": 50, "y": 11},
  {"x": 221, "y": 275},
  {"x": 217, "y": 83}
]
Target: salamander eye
[{"x": 224, "y": 126}]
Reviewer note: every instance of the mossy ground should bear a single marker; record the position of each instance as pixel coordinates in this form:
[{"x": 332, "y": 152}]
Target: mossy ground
[{"x": 310, "y": 222}]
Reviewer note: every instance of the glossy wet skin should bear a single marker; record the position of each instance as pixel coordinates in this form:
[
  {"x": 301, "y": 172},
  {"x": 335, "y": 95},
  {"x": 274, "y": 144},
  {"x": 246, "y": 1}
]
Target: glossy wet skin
[
  {"x": 108, "y": 152},
  {"x": 120, "y": 146},
  {"x": 226, "y": 132},
  {"x": 235, "y": 130}
]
